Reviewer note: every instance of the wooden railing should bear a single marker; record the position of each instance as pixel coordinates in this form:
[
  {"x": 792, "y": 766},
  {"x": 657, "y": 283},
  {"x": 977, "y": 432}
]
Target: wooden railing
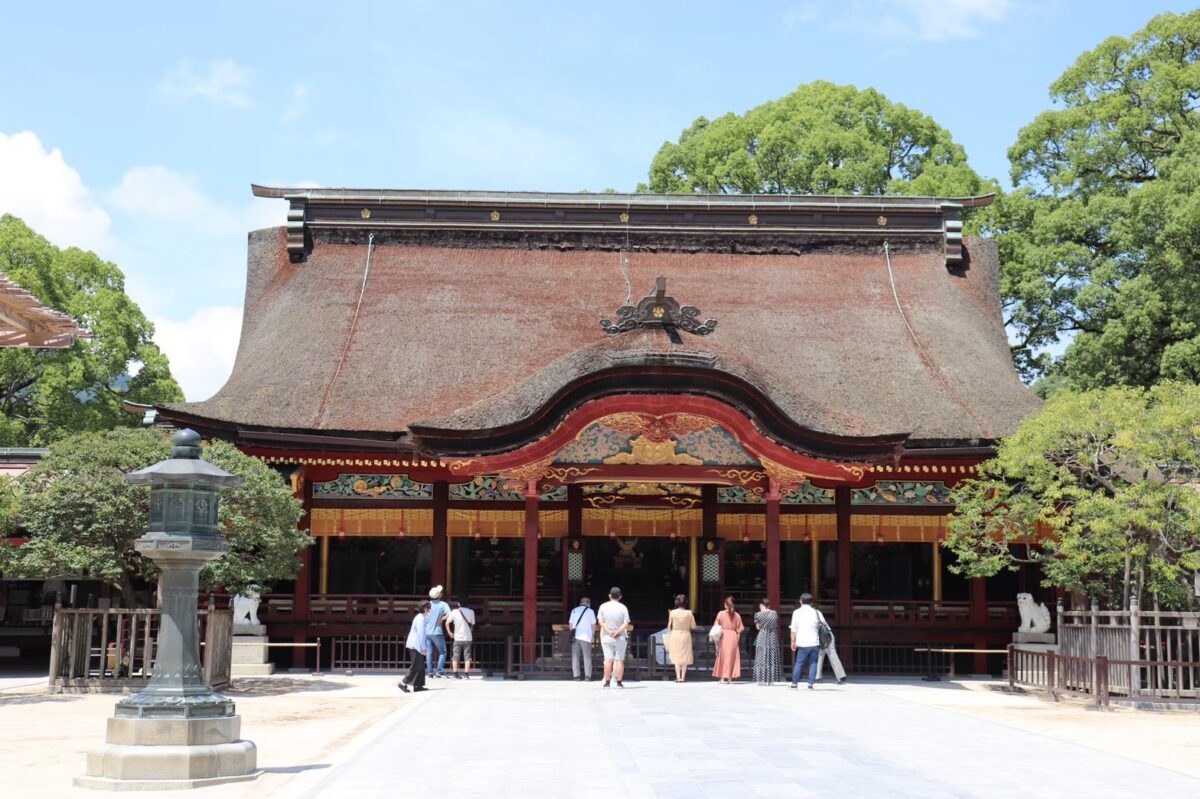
[
  {"x": 94, "y": 650},
  {"x": 390, "y": 607},
  {"x": 1150, "y": 653},
  {"x": 925, "y": 613}
]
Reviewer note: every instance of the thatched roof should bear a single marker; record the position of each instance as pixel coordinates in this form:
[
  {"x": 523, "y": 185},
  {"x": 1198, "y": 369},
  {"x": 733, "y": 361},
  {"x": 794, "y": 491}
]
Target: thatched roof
[{"x": 460, "y": 328}]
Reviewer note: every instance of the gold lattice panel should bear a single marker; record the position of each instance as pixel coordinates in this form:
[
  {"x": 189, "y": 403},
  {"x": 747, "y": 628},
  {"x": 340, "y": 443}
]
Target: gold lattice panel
[
  {"x": 370, "y": 521},
  {"x": 710, "y": 567},
  {"x": 643, "y": 522},
  {"x": 575, "y": 567},
  {"x": 908, "y": 529}
]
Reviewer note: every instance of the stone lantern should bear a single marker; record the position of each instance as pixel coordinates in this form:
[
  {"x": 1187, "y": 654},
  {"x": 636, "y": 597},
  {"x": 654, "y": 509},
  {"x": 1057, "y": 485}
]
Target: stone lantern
[{"x": 176, "y": 733}]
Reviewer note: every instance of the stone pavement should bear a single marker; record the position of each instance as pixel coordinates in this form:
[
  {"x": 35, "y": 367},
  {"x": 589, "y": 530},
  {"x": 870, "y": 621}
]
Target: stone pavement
[{"x": 559, "y": 739}]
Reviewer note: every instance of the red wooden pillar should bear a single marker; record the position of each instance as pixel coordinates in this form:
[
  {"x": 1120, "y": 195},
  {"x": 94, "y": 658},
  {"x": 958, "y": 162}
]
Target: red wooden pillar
[
  {"x": 441, "y": 506},
  {"x": 300, "y": 607},
  {"x": 845, "y": 632},
  {"x": 979, "y": 617},
  {"x": 773, "y": 546},
  {"x": 531, "y": 559}
]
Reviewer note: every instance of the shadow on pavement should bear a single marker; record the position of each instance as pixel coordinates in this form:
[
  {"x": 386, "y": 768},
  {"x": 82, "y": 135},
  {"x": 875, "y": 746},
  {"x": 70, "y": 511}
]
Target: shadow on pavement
[{"x": 277, "y": 686}]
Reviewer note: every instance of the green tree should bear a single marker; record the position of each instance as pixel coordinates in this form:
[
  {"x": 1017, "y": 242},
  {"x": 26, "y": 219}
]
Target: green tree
[
  {"x": 82, "y": 517},
  {"x": 820, "y": 139},
  {"x": 47, "y": 394},
  {"x": 1099, "y": 488},
  {"x": 1101, "y": 239}
]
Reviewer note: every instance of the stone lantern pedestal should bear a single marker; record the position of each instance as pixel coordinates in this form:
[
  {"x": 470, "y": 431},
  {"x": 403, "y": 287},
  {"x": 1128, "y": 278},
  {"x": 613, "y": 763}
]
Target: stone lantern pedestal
[{"x": 177, "y": 733}]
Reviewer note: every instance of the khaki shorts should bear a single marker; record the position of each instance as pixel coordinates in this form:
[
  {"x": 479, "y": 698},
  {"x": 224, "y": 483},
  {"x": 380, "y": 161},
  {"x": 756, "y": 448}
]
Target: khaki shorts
[
  {"x": 462, "y": 651},
  {"x": 613, "y": 648}
]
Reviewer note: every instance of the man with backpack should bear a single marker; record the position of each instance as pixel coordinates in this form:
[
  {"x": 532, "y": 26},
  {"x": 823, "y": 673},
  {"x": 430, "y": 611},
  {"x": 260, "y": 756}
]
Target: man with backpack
[
  {"x": 809, "y": 633},
  {"x": 582, "y": 623}
]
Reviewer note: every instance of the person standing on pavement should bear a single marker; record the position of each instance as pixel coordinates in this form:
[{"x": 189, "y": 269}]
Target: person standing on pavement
[
  {"x": 435, "y": 629},
  {"x": 728, "y": 666},
  {"x": 461, "y": 623},
  {"x": 680, "y": 623},
  {"x": 766, "y": 644},
  {"x": 831, "y": 652},
  {"x": 582, "y": 623},
  {"x": 417, "y": 645},
  {"x": 614, "y": 636},
  {"x": 806, "y": 639}
]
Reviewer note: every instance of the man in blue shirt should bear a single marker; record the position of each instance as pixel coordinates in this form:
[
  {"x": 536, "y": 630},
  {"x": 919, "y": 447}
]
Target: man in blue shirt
[{"x": 435, "y": 630}]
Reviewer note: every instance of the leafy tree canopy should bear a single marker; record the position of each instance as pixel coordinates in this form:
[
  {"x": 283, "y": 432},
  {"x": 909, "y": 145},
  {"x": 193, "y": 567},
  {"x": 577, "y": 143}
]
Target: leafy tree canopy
[
  {"x": 82, "y": 517},
  {"x": 47, "y": 394},
  {"x": 1102, "y": 488},
  {"x": 820, "y": 139},
  {"x": 1101, "y": 239}
]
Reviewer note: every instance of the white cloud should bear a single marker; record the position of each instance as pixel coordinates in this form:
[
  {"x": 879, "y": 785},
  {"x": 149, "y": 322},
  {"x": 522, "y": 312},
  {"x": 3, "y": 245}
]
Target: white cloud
[
  {"x": 157, "y": 192},
  {"x": 298, "y": 106},
  {"x": 221, "y": 81},
  {"x": 41, "y": 188},
  {"x": 201, "y": 348},
  {"x": 901, "y": 21}
]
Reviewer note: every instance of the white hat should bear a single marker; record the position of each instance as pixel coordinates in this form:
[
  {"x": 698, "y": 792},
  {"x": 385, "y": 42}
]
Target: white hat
[{"x": 435, "y": 592}]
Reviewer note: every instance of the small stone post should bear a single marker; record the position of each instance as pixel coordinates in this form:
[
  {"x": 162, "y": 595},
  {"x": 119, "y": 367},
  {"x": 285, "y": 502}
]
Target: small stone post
[
  {"x": 1095, "y": 624},
  {"x": 176, "y": 733}
]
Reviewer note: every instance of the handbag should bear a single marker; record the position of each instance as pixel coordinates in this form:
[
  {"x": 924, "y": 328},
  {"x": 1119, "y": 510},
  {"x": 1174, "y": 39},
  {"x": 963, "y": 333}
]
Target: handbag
[{"x": 715, "y": 633}]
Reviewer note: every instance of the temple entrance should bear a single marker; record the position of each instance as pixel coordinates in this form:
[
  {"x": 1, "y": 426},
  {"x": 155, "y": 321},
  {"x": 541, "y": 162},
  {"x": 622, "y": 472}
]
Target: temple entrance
[{"x": 649, "y": 572}]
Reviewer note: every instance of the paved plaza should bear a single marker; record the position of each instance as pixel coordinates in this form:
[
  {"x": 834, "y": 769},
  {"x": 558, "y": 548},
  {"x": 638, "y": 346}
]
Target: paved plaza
[{"x": 560, "y": 739}]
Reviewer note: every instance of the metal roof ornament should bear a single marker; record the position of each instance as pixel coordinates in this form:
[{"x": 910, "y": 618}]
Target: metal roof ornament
[{"x": 659, "y": 310}]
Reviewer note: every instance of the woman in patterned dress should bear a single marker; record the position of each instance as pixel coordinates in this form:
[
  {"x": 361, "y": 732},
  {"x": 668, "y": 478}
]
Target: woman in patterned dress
[
  {"x": 729, "y": 657},
  {"x": 766, "y": 645}
]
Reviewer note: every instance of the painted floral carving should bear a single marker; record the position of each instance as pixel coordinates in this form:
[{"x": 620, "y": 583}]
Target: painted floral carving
[
  {"x": 887, "y": 492},
  {"x": 372, "y": 486}
]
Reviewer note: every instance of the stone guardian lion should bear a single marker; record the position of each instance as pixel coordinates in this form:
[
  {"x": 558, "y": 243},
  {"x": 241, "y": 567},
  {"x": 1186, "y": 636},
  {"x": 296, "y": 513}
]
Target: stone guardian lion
[{"x": 1034, "y": 618}]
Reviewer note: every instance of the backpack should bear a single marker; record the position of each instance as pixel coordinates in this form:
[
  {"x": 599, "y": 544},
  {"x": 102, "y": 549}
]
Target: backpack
[{"x": 824, "y": 633}]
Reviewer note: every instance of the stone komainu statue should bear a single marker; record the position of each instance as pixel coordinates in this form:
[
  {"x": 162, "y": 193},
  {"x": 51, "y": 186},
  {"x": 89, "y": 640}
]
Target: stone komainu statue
[
  {"x": 1034, "y": 618},
  {"x": 245, "y": 607}
]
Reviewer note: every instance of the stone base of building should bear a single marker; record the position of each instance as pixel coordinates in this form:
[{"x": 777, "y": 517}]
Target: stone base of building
[
  {"x": 164, "y": 754},
  {"x": 251, "y": 669},
  {"x": 250, "y": 651},
  {"x": 1034, "y": 638}
]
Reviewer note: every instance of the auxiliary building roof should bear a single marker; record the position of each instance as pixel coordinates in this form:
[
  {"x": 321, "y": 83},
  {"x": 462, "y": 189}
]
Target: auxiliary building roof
[{"x": 387, "y": 314}]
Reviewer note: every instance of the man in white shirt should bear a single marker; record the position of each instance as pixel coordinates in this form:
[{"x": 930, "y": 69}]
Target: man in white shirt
[
  {"x": 417, "y": 645},
  {"x": 806, "y": 640},
  {"x": 461, "y": 624},
  {"x": 614, "y": 636},
  {"x": 582, "y": 622}
]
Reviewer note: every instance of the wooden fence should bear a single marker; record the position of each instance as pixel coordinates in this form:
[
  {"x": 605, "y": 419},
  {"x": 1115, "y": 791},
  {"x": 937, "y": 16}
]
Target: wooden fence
[
  {"x": 1148, "y": 654},
  {"x": 112, "y": 650}
]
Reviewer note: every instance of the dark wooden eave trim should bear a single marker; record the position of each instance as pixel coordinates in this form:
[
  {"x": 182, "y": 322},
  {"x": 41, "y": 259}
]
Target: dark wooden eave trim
[{"x": 742, "y": 217}]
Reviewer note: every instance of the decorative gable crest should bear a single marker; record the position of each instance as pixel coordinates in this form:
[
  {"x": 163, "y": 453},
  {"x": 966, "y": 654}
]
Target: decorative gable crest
[{"x": 659, "y": 310}]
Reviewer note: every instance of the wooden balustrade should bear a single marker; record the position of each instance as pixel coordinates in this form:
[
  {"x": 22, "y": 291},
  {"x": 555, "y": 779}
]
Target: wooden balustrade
[{"x": 102, "y": 650}]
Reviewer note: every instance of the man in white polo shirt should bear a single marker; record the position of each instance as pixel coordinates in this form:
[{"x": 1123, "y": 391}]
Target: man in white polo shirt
[
  {"x": 806, "y": 640},
  {"x": 583, "y": 630},
  {"x": 614, "y": 636}
]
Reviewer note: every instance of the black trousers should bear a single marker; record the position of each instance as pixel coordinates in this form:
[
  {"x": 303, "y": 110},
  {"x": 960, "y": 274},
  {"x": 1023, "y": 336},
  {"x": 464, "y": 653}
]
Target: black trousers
[{"x": 416, "y": 672}]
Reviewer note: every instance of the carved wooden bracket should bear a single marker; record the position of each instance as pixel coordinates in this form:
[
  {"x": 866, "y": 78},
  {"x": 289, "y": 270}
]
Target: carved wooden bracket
[{"x": 659, "y": 310}]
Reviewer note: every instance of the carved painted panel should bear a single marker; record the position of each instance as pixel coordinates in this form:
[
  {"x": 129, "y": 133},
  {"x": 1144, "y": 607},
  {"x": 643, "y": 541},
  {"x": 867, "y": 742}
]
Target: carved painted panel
[
  {"x": 372, "y": 486},
  {"x": 808, "y": 494},
  {"x": 888, "y": 492}
]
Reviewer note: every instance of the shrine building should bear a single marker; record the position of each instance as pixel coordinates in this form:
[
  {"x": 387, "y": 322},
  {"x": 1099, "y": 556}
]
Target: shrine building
[{"x": 529, "y": 398}]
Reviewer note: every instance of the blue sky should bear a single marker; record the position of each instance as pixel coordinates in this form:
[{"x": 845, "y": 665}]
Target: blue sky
[{"x": 136, "y": 129}]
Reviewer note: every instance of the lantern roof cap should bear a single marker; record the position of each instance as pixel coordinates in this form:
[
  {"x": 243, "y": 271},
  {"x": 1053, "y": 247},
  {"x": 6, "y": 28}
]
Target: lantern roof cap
[{"x": 184, "y": 467}]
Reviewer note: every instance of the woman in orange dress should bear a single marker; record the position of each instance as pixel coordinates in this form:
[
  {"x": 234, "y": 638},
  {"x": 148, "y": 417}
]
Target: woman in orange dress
[{"x": 729, "y": 657}]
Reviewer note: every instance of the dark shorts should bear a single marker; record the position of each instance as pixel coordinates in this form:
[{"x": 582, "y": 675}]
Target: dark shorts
[{"x": 462, "y": 651}]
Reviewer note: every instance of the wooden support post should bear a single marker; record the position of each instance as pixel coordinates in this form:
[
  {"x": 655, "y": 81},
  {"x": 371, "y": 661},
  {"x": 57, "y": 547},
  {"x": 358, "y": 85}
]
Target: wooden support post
[
  {"x": 772, "y": 545},
  {"x": 323, "y": 581},
  {"x": 979, "y": 617},
  {"x": 529, "y": 628},
  {"x": 814, "y": 568},
  {"x": 693, "y": 572},
  {"x": 937, "y": 571},
  {"x": 441, "y": 510},
  {"x": 574, "y": 533},
  {"x": 845, "y": 633},
  {"x": 708, "y": 529},
  {"x": 300, "y": 605}
]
